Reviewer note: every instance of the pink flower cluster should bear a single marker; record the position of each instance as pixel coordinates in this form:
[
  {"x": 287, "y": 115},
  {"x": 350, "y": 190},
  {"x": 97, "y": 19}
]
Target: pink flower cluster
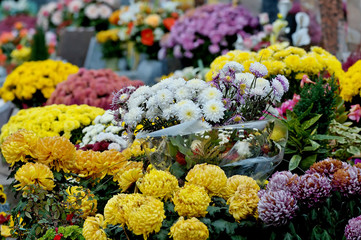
[
  {"x": 288, "y": 105},
  {"x": 91, "y": 87}
]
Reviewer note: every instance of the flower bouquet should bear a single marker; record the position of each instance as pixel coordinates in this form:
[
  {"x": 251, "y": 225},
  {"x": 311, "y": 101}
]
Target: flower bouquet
[
  {"x": 91, "y": 87},
  {"x": 112, "y": 47},
  {"x": 198, "y": 122},
  {"x": 32, "y": 83},
  {"x": 207, "y": 31},
  {"x": 52, "y": 15}
]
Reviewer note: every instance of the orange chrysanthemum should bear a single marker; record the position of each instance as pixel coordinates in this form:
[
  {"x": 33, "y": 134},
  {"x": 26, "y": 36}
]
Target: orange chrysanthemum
[{"x": 34, "y": 174}]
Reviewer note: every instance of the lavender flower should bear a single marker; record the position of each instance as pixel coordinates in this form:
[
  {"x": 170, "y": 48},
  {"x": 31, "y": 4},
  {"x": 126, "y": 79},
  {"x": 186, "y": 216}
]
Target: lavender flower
[
  {"x": 327, "y": 167},
  {"x": 284, "y": 81},
  {"x": 277, "y": 208},
  {"x": 353, "y": 229},
  {"x": 313, "y": 188},
  {"x": 284, "y": 180},
  {"x": 258, "y": 69}
]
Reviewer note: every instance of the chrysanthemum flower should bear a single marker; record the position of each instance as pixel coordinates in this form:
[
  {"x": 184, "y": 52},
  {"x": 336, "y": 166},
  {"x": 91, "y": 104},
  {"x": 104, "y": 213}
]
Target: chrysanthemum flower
[
  {"x": 211, "y": 177},
  {"x": 313, "y": 188},
  {"x": 214, "y": 110},
  {"x": 34, "y": 174},
  {"x": 55, "y": 152},
  {"x": 347, "y": 181},
  {"x": 128, "y": 177},
  {"x": 243, "y": 204},
  {"x": 243, "y": 183},
  {"x": 258, "y": 69},
  {"x": 158, "y": 184},
  {"x": 190, "y": 229},
  {"x": 19, "y": 146},
  {"x": 277, "y": 208},
  {"x": 283, "y": 180},
  {"x": 191, "y": 201},
  {"x": 327, "y": 167},
  {"x": 88, "y": 203},
  {"x": 353, "y": 229},
  {"x": 93, "y": 228},
  {"x": 145, "y": 216}
]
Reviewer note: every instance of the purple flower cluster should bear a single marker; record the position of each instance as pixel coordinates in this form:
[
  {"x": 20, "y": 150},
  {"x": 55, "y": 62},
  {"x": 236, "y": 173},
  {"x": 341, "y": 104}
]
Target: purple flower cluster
[
  {"x": 209, "y": 24},
  {"x": 347, "y": 181},
  {"x": 353, "y": 229},
  {"x": 284, "y": 180}
]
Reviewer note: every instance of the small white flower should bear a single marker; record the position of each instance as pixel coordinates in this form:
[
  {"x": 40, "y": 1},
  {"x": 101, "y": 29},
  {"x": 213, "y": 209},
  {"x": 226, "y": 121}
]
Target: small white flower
[
  {"x": 258, "y": 69},
  {"x": 114, "y": 146},
  {"x": 237, "y": 67},
  {"x": 91, "y": 11},
  {"x": 244, "y": 78},
  {"x": 104, "y": 11},
  {"x": 213, "y": 110},
  {"x": 210, "y": 93},
  {"x": 169, "y": 112},
  {"x": 243, "y": 149},
  {"x": 133, "y": 117},
  {"x": 262, "y": 87},
  {"x": 197, "y": 84},
  {"x": 278, "y": 89},
  {"x": 107, "y": 117},
  {"x": 183, "y": 93},
  {"x": 164, "y": 97},
  {"x": 188, "y": 112},
  {"x": 142, "y": 91},
  {"x": 57, "y": 18},
  {"x": 134, "y": 102},
  {"x": 75, "y": 6}
]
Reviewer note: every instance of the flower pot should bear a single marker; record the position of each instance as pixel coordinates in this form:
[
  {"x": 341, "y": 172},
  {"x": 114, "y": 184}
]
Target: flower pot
[
  {"x": 112, "y": 63},
  {"x": 253, "y": 148}
]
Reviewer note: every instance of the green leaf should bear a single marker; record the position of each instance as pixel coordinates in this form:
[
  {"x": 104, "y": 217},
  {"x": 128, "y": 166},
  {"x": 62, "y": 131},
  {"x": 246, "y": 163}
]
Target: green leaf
[
  {"x": 288, "y": 236},
  {"x": 307, "y": 162},
  {"x": 326, "y": 137},
  {"x": 314, "y": 146},
  {"x": 177, "y": 170},
  {"x": 354, "y": 150},
  {"x": 213, "y": 210},
  {"x": 28, "y": 215},
  {"x": 221, "y": 225},
  {"x": 294, "y": 162},
  {"x": 307, "y": 124}
]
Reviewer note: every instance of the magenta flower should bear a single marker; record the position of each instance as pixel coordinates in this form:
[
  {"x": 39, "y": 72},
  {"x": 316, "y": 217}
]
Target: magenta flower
[
  {"x": 355, "y": 113},
  {"x": 353, "y": 229}
]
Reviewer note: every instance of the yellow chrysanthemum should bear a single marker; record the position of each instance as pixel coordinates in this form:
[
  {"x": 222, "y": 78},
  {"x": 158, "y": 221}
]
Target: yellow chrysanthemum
[
  {"x": 57, "y": 116},
  {"x": 93, "y": 228},
  {"x": 88, "y": 203},
  {"x": 55, "y": 152},
  {"x": 5, "y": 231},
  {"x": 145, "y": 216},
  {"x": 108, "y": 35},
  {"x": 211, "y": 177},
  {"x": 243, "y": 204},
  {"x": 240, "y": 182},
  {"x": 190, "y": 229},
  {"x": 128, "y": 177},
  {"x": 191, "y": 201},
  {"x": 19, "y": 146},
  {"x": 116, "y": 209},
  {"x": 159, "y": 184},
  {"x": 351, "y": 84},
  {"x": 31, "y": 77},
  {"x": 34, "y": 174}
]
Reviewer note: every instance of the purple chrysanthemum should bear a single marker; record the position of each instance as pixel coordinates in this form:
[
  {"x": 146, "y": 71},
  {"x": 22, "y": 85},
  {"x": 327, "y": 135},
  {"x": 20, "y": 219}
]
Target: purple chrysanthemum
[
  {"x": 277, "y": 208},
  {"x": 258, "y": 69},
  {"x": 313, "y": 188},
  {"x": 353, "y": 229},
  {"x": 327, "y": 167},
  {"x": 284, "y": 180},
  {"x": 347, "y": 181},
  {"x": 284, "y": 82}
]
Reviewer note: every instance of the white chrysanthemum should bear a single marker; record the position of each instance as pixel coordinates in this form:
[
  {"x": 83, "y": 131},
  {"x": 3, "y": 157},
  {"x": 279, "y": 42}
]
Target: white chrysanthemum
[
  {"x": 183, "y": 93},
  {"x": 114, "y": 146},
  {"x": 258, "y": 69},
  {"x": 164, "y": 97},
  {"x": 75, "y": 5},
  {"x": 114, "y": 129},
  {"x": 110, "y": 137},
  {"x": 196, "y": 84},
  {"x": 188, "y": 112},
  {"x": 183, "y": 102},
  {"x": 213, "y": 110},
  {"x": 152, "y": 103},
  {"x": 210, "y": 93},
  {"x": 262, "y": 87},
  {"x": 243, "y": 149},
  {"x": 91, "y": 11},
  {"x": 278, "y": 89},
  {"x": 169, "y": 112},
  {"x": 244, "y": 78},
  {"x": 107, "y": 117},
  {"x": 104, "y": 11},
  {"x": 57, "y": 18},
  {"x": 133, "y": 117},
  {"x": 237, "y": 67},
  {"x": 152, "y": 114},
  {"x": 143, "y": 91},
  {"x": 123, "y": 97},
  {"x": 134, "y": 102}
]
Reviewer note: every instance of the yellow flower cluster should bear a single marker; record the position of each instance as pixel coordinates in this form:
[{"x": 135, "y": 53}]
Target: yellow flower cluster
[
  {"x": 53, "y": 120},
  {"x": 279, "y": 59},
  {"x": 129, "y": 175},
  {"x": 158, "y": 184},
  {"x": 108, "y": 35},
  {"x": 34, "y": 174},
  {"x": 29, "y": 77},
  {"x": 191, "y": 201},
  {"x": 211, "y": 177},
  {"x": 20, "y": 55},
  {"x": 88, "y": 203},
  {"x": 190, "y": 229},
  {"x": 351, "y": 84},
  {"x": 93, "y": 228},
  {"x": 241, "y": 192},
  {"x": 142, "y": 214}
]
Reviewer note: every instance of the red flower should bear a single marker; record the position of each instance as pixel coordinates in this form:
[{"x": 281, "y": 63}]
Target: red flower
[
  {"x": 174, "y": 15},
  {"x": 168, "y": 23},
  {"x": 147, "y": 37},
  {"x": 58, "y": 236},
  {"x": 18, "y": 47},
  {"x": 69, "y": 217},
  {"x": 130, "y": 27},
  {"x": 4, "y": 219},
  {"x": 180, "y": 158}
]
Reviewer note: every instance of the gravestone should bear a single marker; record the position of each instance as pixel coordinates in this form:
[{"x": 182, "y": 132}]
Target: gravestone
[
  {"x": 354, "y": 26},
  {"x": 94, "y": 57}
]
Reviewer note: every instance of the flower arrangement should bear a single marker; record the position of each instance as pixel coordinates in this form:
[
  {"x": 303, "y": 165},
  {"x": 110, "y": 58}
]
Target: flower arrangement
[
  {"x": 350, "y": 86},
  {"x": 112, "y": 47},
  {"x": 91, "y": 87},
  {"x": 32, "y": 83},
  {"x": 51, "y": 15},
  {"x": 146, "y": 25},
  {"x": 292, "y": 62},
  {"x": 53, "y": 120},
  {"x": 204, "y": 33}
]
